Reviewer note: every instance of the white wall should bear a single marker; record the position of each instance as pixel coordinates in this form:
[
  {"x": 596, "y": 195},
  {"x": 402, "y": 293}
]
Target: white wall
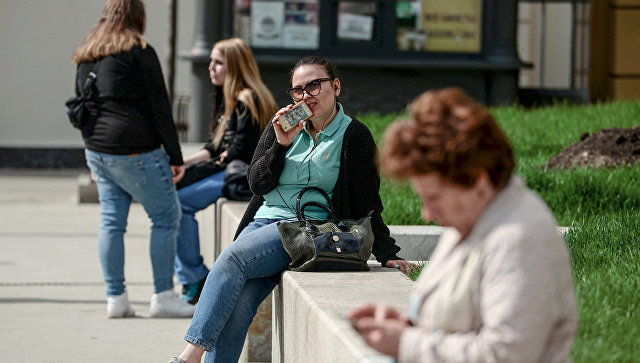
[{"x": 36, "y": 73}]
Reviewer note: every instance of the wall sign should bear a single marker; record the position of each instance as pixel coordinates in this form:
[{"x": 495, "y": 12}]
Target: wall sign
[{"x": 452, "y": 25}]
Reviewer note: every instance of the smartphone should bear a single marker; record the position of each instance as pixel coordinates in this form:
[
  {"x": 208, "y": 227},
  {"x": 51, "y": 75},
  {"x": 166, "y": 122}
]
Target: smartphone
[{"x": 299, "y": 112}]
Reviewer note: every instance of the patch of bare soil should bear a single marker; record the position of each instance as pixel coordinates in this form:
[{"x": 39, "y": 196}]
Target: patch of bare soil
[{"x": 608, "y": 148}]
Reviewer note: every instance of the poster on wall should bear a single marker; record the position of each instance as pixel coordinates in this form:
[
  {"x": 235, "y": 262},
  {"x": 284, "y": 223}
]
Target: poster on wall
[
  {"x": 409, "y": 33},
  {"x": 451, "y": 25},
  {"x": 355, "y": 27},
  {"x": 267, "y": 18},
  {"x": 301, "y": 24}
]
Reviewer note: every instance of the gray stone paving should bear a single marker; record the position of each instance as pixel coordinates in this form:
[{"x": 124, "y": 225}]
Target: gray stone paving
[{"x": 52, "y": 304}]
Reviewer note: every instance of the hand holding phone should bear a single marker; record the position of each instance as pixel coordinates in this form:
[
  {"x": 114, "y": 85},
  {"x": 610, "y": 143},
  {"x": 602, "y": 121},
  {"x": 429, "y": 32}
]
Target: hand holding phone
[{"x": 299, "y": 112}]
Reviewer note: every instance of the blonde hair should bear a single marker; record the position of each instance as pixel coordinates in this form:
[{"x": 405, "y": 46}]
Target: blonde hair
[
  {"x": 120, "y": 28},
  {"x": 243, "y": 83}
]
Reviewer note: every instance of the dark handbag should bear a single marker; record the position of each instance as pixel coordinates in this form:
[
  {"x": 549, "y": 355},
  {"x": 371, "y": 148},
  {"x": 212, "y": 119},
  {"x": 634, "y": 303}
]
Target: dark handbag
[
  {"x": 236, "y": 184},
  {"x": 76, "y": 106},
  {"x": 198, "y": 171},
  {"x": 326, "y": 245}
]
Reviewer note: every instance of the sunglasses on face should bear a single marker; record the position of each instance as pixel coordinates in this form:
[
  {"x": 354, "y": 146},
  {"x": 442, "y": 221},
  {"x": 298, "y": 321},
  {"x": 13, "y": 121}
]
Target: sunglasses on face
[{"x": 312, "y": 88}]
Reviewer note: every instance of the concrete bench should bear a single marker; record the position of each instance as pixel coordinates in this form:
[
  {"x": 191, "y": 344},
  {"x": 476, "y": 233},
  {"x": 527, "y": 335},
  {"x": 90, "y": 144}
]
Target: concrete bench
[
  {"x": 257, "y": 347},
  {"x": 87, "y": 189},
  {"x": 308, "y": 317},
  {"x": 417, "y": 243}
]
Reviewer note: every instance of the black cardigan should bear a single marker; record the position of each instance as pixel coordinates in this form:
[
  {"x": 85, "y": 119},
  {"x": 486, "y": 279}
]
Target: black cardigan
[{"x": 356, "y": 191}]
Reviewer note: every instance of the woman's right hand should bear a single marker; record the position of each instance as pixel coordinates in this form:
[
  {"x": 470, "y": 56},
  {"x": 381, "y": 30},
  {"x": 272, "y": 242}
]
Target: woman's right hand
[{"x": 285, "y": 138}]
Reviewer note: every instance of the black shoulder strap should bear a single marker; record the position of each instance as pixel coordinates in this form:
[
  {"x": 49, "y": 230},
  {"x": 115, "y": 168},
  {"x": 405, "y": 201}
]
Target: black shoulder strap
[{"x": 88, "y": 83}]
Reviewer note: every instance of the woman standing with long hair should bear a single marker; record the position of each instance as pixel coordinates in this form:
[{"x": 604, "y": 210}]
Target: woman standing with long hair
[
  {"x": 132, "y": 150},
  {"x": 242, "y": 110}
]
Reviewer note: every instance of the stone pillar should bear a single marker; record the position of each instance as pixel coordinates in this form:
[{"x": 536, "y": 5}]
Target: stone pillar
[
  {"x": 502, "y": 51},
  {"x": 208, "y": 30}
]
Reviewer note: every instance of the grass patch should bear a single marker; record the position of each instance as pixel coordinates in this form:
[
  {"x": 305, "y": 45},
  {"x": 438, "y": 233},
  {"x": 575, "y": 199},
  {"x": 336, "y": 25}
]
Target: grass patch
[
  {"x": 606, "y": 266},
  {"x": 602, "y": 206},
  {"x": 414, "y": 271}
]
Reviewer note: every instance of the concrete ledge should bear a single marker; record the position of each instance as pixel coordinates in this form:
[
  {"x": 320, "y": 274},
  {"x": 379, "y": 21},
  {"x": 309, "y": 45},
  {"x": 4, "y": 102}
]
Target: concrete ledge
[
  {"x": 416, "y": 242},
  {"x": 308, "y": 318},
  {"x": 205, "y": 220},
  {"x": 228, "y": 216},
  {"x": 87, "y": 189},
  {"x": 257, "y": 346}
]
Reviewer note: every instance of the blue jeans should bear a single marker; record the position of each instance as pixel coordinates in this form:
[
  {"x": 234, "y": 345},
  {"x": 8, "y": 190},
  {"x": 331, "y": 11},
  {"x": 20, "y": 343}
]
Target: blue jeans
[
  {"x": 189, "y": 267},
  {"x": 237, "y": 283},
  {"x": 147, "y": 178}
]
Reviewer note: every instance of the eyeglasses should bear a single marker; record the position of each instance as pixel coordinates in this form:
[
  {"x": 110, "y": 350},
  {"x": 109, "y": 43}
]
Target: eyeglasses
[{"x": 312, "y": 88}]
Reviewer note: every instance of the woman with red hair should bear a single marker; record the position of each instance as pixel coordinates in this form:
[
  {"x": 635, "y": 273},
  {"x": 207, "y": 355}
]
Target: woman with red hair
[{"x": 499, "y": 284}]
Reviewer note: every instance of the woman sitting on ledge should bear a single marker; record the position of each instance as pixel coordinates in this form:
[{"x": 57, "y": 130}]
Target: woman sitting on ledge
[
  {"x": 331, "y": 151},
  {"x": 499, "y": 284}
]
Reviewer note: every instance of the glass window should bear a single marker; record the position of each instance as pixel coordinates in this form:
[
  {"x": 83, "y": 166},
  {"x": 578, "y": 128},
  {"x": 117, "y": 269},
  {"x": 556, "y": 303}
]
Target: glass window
[
  {"x": 439, "y": 25},
  {"x": 301, "y": 24},
  {"x": 277, "y": 23},
  {"x": 356, "y": 20}
]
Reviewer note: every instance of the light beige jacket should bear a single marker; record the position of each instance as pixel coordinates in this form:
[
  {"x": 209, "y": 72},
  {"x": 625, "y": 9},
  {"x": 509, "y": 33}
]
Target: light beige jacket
[{"x": 504, "y": 294}]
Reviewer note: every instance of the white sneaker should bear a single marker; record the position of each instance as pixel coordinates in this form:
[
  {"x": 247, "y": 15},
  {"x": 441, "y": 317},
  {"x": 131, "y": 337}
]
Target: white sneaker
[
  {"x": 168, "y": 304},
  {"x": 118, "y": 306}
]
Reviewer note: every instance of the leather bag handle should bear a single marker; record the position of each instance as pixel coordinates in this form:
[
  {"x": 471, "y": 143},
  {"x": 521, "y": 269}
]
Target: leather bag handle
[
  {"x": 319, "y": 205},
  {"x": 313, "y": 229},
  {"x": 299, "y": 199}
]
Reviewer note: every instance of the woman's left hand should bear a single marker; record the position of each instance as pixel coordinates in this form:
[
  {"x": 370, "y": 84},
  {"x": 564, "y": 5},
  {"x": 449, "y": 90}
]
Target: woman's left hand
[
  {"x": 177, "y": 171},
  {"x": 222, "y": 158},
  {"x": 401, "y": 265}
]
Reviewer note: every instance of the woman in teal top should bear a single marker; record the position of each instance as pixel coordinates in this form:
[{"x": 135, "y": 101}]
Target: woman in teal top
[
  {"x": 310, "y": 161},
  {"x": 332, "y": 151}
]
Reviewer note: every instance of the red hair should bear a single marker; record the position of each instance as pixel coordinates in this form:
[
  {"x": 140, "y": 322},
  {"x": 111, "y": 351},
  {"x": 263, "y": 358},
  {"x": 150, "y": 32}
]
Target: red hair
[{"x": 450, "y": 134}]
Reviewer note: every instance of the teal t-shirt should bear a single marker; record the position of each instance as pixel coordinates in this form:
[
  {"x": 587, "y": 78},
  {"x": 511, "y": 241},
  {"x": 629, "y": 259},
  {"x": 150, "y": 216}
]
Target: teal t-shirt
[{"x": 307, "y": 163}]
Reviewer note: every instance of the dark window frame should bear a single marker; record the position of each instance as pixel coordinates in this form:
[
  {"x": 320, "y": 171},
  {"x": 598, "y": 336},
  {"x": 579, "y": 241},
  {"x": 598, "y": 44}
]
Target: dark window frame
[{"x": 385, "y": 29}]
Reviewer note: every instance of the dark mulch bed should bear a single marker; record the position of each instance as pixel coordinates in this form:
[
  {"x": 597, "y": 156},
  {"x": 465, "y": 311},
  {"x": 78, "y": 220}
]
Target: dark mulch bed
[{"x": 604, "y": 149}]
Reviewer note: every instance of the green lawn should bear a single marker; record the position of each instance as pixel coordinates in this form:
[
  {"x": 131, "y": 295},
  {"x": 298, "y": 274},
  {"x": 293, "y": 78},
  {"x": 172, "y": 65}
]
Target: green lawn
[{"x": 603, "y": 206}]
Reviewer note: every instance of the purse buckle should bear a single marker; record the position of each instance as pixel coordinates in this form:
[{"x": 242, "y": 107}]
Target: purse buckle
[{"x": 335, "y": 239}]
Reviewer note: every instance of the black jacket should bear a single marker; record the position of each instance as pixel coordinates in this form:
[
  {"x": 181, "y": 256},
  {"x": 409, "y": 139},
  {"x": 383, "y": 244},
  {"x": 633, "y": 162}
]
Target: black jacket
[
  {"x": 356, "y": 191},
  {"x": 240, "y": 138},
  {"x": 132, "y": 113}
]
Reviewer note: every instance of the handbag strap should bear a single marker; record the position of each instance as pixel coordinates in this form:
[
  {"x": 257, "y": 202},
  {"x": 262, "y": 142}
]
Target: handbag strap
[
  {"x": 312, "y": 228},
  {"x": 89, "y": 82},
  {"x": 299, "y": 212},
  {"x": 332, "y": 215}
]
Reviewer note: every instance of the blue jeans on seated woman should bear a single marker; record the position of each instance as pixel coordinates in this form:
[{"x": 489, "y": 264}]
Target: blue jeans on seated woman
[
  {"x": 147, "y": 178},
  {"x": 189, "y": 267},
  {"x": 238, "y": 282}
]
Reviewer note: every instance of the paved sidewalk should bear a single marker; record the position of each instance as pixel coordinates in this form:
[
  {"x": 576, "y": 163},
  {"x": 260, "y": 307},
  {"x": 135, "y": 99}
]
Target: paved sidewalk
[{"x": 52, "y": 304}]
